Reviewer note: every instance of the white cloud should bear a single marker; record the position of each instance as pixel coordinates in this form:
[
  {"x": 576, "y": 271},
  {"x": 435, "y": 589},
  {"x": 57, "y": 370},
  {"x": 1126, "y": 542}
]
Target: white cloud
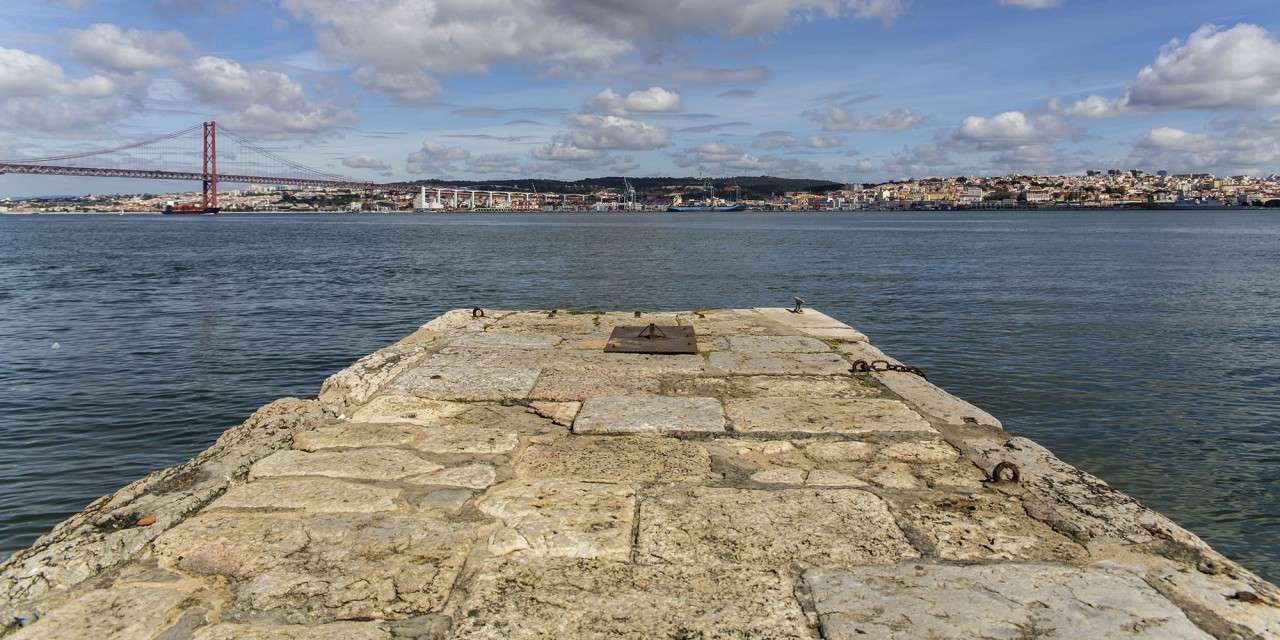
[
  {"x": 1009, "y": 130},
  {"x": 27, "y": 74},
  {"x": 725, "y": 159},
  {"x": 364, "y": 162},
  {"x": 561, "y": 149},
  {"x": 435, "y": 158},
  {"x": 651, "y": 100},
  {"x": 36, "y": 96},
  {"x": 823, "y": 142},
  {"x": 495, "y": 163},
  {"x": 266, "y": 103},
  {"x": 109, "y": 47},
  {"x": 926, "y": 159},
  {"x": 446, "y": 36},
  {"x": 838, "y": 118},
  {"x": 1214, "y": 68},
  {"x": 776, "y": 140},
  {"x": 1248, "y": 145},
  {"x": 1032, "y": 4},
  {"x": 405, "y": 86},
  {"x": 590, "y": 131}
]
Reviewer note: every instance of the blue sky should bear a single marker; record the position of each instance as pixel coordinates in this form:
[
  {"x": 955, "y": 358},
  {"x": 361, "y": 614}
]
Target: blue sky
[{"x": 861, "y": 90}]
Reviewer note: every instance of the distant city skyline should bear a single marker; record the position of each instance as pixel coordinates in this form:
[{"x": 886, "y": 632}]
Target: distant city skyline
[{"x": 846, "y": 90}]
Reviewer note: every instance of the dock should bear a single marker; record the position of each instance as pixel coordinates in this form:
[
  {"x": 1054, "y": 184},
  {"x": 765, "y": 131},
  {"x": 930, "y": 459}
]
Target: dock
[{"x": 544, "y": 474}]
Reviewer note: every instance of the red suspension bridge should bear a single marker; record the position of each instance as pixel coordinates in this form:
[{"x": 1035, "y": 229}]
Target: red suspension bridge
[{"x": 192, "y": 154}]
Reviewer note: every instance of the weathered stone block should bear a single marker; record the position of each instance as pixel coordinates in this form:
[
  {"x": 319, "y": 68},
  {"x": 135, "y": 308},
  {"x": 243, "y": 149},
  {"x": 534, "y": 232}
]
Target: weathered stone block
[
  {"x": 774, "y": 387},
  {"x": 331, "y": 631},
  {"x": 740, "y": 363},
  {"x": 988, "y": 527},
  {"x": 768, "y": 528},
  {"x": 616, "y": 459},
  {"x": 595, "y": 600},
  {"x": 355, "y": 434},
  {"x": 649, "y": 414},
  {"x": 466, "y": 439},
  {"x": 316, "y": 495},
  {"x": 504, "y": 340},
  {"x": 814, "y": 323},
  {"x": 589, "y": 381},
  {"x": 824, "y": 415},
  {"x": 778, "y": 344},
  {"x": 393, "y": 408},
  {"x": 361, "y": 464},
  {"x": 324, "y": 567},
  {"x": 471, "y": 476},
  {"x": 561, "y": 518},
  {"x": 914, "y": 600},
  {"x": 455, "y": 379},
  {"x": 126, "y": 613},
  {"x": 561, "y": 413},
  {"x": 933, "y": 401}
]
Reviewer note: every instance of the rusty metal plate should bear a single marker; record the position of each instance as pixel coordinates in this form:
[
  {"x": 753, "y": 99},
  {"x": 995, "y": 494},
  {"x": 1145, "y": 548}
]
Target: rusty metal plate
[{"x": 652, "y": 339}]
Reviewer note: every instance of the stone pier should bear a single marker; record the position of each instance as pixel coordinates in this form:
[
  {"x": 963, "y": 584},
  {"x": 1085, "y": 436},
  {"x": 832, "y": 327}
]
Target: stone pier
[{"x": 501, "y": 476}]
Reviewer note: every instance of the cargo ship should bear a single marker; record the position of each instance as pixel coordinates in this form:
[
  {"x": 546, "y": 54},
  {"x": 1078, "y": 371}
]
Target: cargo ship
[
  {"x": 171, "y": 209},
  {"x": 712, "y": 203},
  {"x": 694, "y": 207}
]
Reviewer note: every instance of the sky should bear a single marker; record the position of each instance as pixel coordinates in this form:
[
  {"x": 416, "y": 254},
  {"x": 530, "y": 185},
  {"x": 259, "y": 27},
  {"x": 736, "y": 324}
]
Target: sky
[{"x": 848, "y": 90}]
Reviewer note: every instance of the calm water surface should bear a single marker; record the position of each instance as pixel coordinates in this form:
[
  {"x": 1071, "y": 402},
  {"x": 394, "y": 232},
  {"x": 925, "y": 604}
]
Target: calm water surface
[{"x": 1139, "y": 346}]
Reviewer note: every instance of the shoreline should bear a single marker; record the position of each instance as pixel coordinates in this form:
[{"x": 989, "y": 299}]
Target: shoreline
[{"x": 673, "y": 213}]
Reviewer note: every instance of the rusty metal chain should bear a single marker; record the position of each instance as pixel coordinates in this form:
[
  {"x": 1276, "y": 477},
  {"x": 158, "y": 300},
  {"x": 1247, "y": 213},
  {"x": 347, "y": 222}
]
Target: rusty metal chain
[{"x": 862, "y": 366}]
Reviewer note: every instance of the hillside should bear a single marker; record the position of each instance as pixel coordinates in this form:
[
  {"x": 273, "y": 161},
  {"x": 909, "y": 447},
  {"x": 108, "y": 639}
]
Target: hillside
[{"x": 752, "y": 187}]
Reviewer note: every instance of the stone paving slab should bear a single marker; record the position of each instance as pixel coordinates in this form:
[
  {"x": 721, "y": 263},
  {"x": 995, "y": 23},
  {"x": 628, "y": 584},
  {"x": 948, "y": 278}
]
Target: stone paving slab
[
  {"x": 130, "y": 612},
  {"x": 323, "y": 567},
  {"x": 316, "y": 495},
  {"x": 917, "y": 600},
  {"x": 649, "y": 414},
  {"x": 773, "y": 387},
  {"x": 332, "y": 631},
  {"x": 561, "y": 518},
  {"x": 446, "y": 382},
  {"x": 616, "y": 459},
  {"x": 745, "y": 363},
  {"x": 503, "y": 477},
  {"x": 361, "y": 464},
  {"x": 615, "y": 600},
  {"x": 768, "y": 528},
  {"x": 824, "y": 416}
]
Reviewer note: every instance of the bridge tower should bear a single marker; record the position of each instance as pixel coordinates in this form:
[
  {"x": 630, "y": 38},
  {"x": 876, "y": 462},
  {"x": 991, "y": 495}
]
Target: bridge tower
[{"x": 210, "y": 173}]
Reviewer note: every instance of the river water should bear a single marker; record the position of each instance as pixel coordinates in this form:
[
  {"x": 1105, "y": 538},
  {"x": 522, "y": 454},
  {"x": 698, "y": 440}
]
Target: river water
[{"x": 1140, "y": 346}]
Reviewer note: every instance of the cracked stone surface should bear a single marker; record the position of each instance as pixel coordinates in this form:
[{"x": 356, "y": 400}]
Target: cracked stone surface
[
  {"x": 561, "y": 518},
  {"x": 605, "y": 600},
  {"x": 364, "y": 464},
  {"x": 617, "y": 459},
  {"x": 331, "y": 631},
  {"x": 130, "y": 612},
  {"x": 649, "y": 414},
  {"x": 824, "y": 415},
  {"x": 318, "y": 495},
  {"x": 774, "y": 386},
  {"x": 393, "y": 408},
  {"x": 324, "y": 567},
  {"x": 836, "y": 527},
  {"x": 987, "y": 528},
  {"x": 502, "y": 477},
  {"x": 744, "y": 363},
  {"x": 914, "y": 600}
]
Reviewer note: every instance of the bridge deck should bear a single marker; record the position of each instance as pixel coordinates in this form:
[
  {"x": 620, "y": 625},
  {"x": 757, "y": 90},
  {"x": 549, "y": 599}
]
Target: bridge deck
[{"x": 504, "y": 477}]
